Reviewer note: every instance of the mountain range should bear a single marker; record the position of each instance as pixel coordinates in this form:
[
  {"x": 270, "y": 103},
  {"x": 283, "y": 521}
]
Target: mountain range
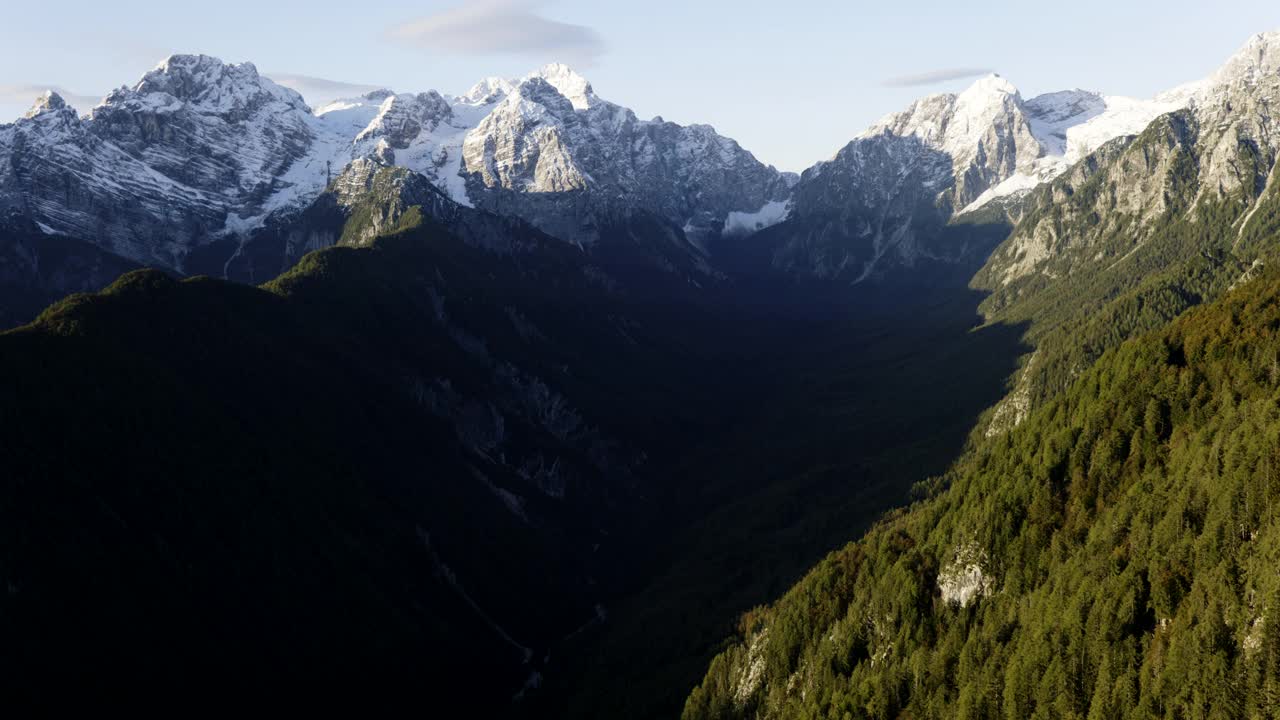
[
  {"x": 517, "y": 400},
  {"x": 201, "y": 166}
]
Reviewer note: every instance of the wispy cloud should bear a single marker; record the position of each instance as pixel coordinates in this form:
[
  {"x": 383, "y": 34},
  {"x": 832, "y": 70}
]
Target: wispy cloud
[
  {"x": 933, "y": 77},
  {"x": 501, "y": 27},
  {"x": 321, "y": 90},
  {"x": 28, "y": 93}
]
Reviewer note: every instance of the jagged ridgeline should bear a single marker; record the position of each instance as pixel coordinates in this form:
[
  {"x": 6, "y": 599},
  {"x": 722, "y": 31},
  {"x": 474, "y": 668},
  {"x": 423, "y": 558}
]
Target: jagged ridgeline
[
  {"x": 202, "y": 166},
  {"x": 1113, "y": 556}
]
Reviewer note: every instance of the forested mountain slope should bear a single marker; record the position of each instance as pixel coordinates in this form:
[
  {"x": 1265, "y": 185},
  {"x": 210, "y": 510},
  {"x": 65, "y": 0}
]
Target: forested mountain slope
[
  {"x": 1113, "y": 556},
  {"x": 397, "y": 465}
]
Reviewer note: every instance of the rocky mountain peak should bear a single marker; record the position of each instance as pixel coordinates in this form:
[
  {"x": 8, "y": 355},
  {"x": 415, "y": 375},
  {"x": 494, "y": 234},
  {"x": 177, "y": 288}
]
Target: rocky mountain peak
[
  {"x": 525, "y": 143},
  {"x": 1236, "y": 120},
  {"x": 50, "y": 101},
  {"x": 985, "y": 131},
  {"x": 378, "y": 95},
  {"x": 570, "y": 84},
  {"x": 366, "y": 180},
  {"x": 433, "y": 102},
  {"x": 541, "y": 92},
  {"x": 401, "y": 119},
  {"x": 991, "y": 101},
  {"x": 957, "y": 123},
  {"x": 1264, "y": 47},
  {"x": 1258, "y": 62},
  {"x": 487, "y": 91},
  {"x": 988, "y": 86},
  {"x": 207, "y": 84}
]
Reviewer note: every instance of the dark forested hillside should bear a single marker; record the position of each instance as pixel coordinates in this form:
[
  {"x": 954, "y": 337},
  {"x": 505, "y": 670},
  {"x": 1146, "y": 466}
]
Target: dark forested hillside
[
  {"x": 37, "y": 269},
  {"x": 1113, "y": 556},
  {"x": 396, "y": 462},
  {"x": 438, "y": 466}
]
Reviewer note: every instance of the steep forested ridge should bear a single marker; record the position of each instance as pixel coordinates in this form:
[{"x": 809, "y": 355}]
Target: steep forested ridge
[{"x": 1113, "y": 556}]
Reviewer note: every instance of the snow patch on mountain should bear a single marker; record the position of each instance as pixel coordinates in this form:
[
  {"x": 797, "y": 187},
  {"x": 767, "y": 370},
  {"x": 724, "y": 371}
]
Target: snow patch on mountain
[{"x": 745, "y": 223}]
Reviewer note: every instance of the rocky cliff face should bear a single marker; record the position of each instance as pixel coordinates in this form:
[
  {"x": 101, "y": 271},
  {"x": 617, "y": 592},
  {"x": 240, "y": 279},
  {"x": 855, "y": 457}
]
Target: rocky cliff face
[
  {"x": 1237, "y": 111},
  {"x": 876, "y": 203}
]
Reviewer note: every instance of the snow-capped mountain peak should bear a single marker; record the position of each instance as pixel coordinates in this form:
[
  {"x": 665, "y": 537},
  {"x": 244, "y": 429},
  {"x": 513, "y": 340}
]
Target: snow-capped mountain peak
[
  {"x": 570, "y": 84},
  {"x": 546, "y": 135},
  {"x": 986, "y": 86},
  {"x": 991, "y": 102},
  {"x": 538, "y": 91},
  {"x": 574, "y": 87},
  {"x": 192, "y": 161},
  {"x": 207, "y": 84},
  {"x": 488, "y": 91},
  {"x": 1018, "y": 144},
  {"x": 402, "y": 118},
  {"x": 526, "y": 142},
  {"x": 984, "y": 131},
  {"x": 50, "y": 101},
  {"x": 955, "y": 123},
  {"x": 165, "y": 166}
]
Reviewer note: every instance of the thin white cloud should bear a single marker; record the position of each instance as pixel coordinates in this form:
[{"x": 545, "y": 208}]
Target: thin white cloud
[
  {"x": 319, "y": 90},
  {"x": 501, "y": 27},
  {"x": 933, "y": 77},
  {"x": 20, "y": 94}
]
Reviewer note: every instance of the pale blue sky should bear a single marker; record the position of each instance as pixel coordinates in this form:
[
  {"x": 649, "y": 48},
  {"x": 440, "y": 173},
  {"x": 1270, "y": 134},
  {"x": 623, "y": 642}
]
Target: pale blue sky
[{"x": 791, "y": 81}]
